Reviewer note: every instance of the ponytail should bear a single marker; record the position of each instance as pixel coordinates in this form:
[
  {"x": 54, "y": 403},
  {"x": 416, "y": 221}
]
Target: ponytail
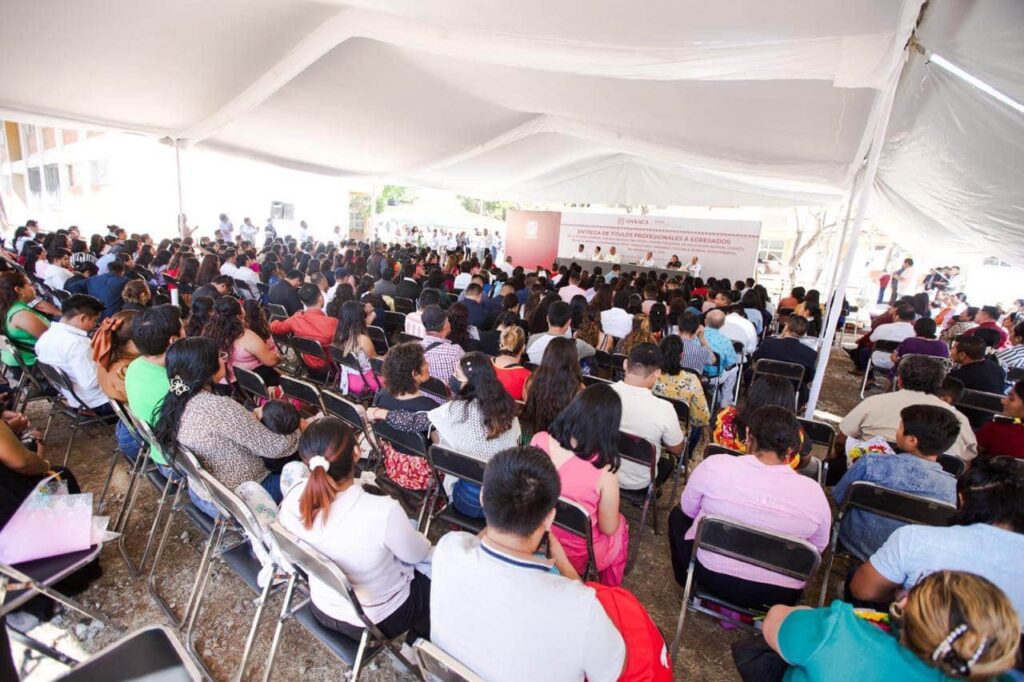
[
  {"x": 191, "y": 366},
  {"x": 330, "y": 440}
]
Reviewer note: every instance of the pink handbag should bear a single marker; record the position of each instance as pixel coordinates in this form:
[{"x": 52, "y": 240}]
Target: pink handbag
[{"x": 50, "y": 522}]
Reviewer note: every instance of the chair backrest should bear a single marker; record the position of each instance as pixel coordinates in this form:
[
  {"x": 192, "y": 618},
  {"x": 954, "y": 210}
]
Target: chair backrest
[
  {"x": 591, "y": 380},
  {"x": 251, "y": 382},
  {"x": 58, "y": 378},
  {"x": 886, "y": 346},
  {"x": 457, "y": 464},
  {"x": 716, "y": 449},
  {"x": 896, "y": 505},
  {"x": 820, "y": 433},
  {"x": 379, "y": 338},
  {"x": 1015, "y": 374},
  {"x": 341, "y": 407},
  {"x": 981, "y": 401},
  {"x": 393, "y": 322},
  {"x": 435, "y": 386},
  {"x": 638, "y": 449},
  {"x": 738, "y": 347},
  {"x": 377, "y": 365},
  {"x": 812, "y": 467},
  {"x": 572, "y": 517},
  {"x": 437, "y": 666},
  {"x": 408, "y": 338},
  {"x": 61, "y": 295},
  {"x": 405, "y": 441},
  {"x": 232, "y": 506},
  {"x": 345, "y": 359},
  {"x": 303, "y": 391},
  {"x": 682, "y": 411},
  {"x": 315, "y": 564},
  {"x": 121, "y": 410},
  {"x": 952, "y": 464},
  {"x": 308, "y": 346},
  {"x": 787, "y": 370},
  {"x": 188, "y": 463},
  {"x": 277, "y": 310},
  {"x": 404, "y": 305},
  {"x": 791, "y": 556}
]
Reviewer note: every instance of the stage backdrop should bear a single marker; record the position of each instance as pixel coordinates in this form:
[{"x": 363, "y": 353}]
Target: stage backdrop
[
  {"x": 726, "y": 248},
  {"x": 531, "y": 237}
]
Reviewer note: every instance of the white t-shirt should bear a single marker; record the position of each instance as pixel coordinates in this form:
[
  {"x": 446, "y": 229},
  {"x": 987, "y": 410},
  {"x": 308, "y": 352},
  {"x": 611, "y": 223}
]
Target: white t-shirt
[
  {"x": 370, "y": 538},
  {"x": 616, "y": 322},
  {"x": 463, "y": 280},
  {"x": 894, "y": 331},
  {"x": 693, "y": 269},
  {"x": 646, "y": 262},
  {"x": 648, "y": 416},
  {"x": 510, "y": 620},
  {"x": 738, "y": 328}
]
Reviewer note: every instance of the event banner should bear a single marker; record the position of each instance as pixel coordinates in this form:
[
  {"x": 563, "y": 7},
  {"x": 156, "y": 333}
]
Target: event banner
[
  {"x": 726, "y": 248},
  {"x": 531, "y": 237}
]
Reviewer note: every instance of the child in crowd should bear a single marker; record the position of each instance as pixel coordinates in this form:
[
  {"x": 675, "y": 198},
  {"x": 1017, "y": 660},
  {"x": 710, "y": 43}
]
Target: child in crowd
[
  {"x": 924, "y": 433},
  {"x": 951, "y": 391}
]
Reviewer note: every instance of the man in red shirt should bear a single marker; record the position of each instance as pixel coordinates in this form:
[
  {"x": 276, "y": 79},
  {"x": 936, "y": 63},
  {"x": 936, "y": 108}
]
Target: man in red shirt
[
  {"x": 988, "y": 318},
  {"x": 311, "y": 323}
]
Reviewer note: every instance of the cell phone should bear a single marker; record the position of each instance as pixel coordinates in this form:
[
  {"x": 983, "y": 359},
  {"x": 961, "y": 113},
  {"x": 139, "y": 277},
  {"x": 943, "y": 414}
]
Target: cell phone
[{"x": 546, "y": 542}]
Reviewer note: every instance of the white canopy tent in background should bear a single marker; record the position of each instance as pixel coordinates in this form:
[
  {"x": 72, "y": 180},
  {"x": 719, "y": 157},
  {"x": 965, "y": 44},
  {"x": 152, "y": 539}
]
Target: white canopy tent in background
[{"x": 730, "y": 103}]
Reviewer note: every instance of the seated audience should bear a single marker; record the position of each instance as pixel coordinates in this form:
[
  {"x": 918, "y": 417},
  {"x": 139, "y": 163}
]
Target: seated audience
[
  {"x": 366, "y": 535},
  {"x": 648, "y": 416},
  {"x": 414, "y": 320},
  {"x": 200, "y": 313},
  {"x": 1002, "y": 437},
  {"x": 354, "y": 340},
  {"x": 923, "y": 342},
  {"x": 759, "y": 489},
  {"x": 66, "y": 346},
  {"x": 640, "y": 333},
  {"x": 615, "y": 320},
  {"x": 286, "y": 292},
  {"x": 112, "y": 351},
  {"x": 678, "y": 384},
  {"x": 479, "y": 421},
  {"x": 106, "y": 286},
  {"x": 559, "y": 317},
  {"x": 988, "y": 318},
  {"x": 952, "y": 625},
  {"x": 582, "y": 443},
  {"x": 442, "y": 355},
  {"x": 310, "y": 323},
  {"x": 228, "y": 440},
  {"x": 508, "y": 363},
  {"x": 1013, "y": 356},
  {"x": 924, "y": 433},
  {"x": 591, "y": 332},
  {"x": 788, "y": 347},
  {"x": 977, "y": 372},
  {"x": 986, "y": 538},
  {"x": 918, "y": 378},
  {"x": 22, "y": 325},
  {"x": 723, "y": 371},
  {"x": 145, "y": 380},
  {"x": 697, "y": 354},
  {"x": 553, "y": 385},
  {"x": 494, "y": 597},
  {"x": 244, "y": 347},
  {"x": 136, "y": 295},
  {"x": 731, "y": 422}
]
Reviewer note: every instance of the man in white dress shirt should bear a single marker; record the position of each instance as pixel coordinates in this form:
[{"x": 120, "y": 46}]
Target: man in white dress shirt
[
  {"x": 249, "y": 231},
  {"x": 616, "y": 321},
  {"x": 225, "y": 230},
  {"x": 612, "y": 256},
  {"x": 597, "y": 256},
  {"x": 495, "y": 603},
  {"x": 647, "y": 261},
  {"x": 694, "y": 267},
  {"x": 66, "y": 346},
  {"x": 572, "y": 288}
]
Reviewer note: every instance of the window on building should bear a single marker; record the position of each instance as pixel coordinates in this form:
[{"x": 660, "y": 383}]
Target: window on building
[
  {"x": 99, "y": 170},
  {"x": 31, "y": 143},
  {"x": 51, "y": 175},
  {"x": 282, "y": 211},
  {"x": 771, "y": 250},
  {"x": 35, "y": 183}
]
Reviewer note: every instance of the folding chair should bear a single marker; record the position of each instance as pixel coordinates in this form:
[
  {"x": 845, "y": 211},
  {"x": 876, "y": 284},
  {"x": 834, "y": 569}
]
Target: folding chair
[
  {"x": 408, "y": 338},
  {"x": 234, "y": 515},
  {"x": 1015, "y": 374},
  {"x": 61, "y": 402},
  {"x": 979, "y": 401},
  {"x": 444, "y": 461},
  {"x": 952, "y": 464},
  {"x": 572, "y": 518},
  {"x": 437, "y": 666},
  {"x": 252, "y": 386},
  {"x": 154, "y": 652},
  {"x": 311, "y": 347},
  {"x": 880, "y": 347},
  {"x": 246, "y": 290},
  {"x": 603, "y": 362},
  {"x": 393, "y": 323},
  {"x": 716, "y": 449},
  {"x": 787, "y": 370},
  {"x": 793, "y": 557},
  {"x": 640, "y": 451},
  {"x": 404, "y": 305},
  {"x": 891, "y": 504},
  {"x": 618, "y": 367},
  {"x": 20, "y": 583},
  {"x": 119, "y": 411},
  {"x": 741, "y": 362},
  {"x": 304, "y": 560},
  {"x": 377, "y": 367},
  {"x": 782, "y": 317},
  {"x": 304, "y": 391},
  {"x": 277, "y": 311},
  {"x": 683, "y": 415},
  {"x": 592, "y": 379},
  {"x": 406, "y": 442},
  {"x": 349, "y": 361},
  {"x": 264, "y": 290},
  {"x": 28, "y": 387},
  {"x": 379, "y": 338},
  {"x": 337, "y": 405},
  {"x": 435, "y": 387},
  {"x": 823, "y": 434}
]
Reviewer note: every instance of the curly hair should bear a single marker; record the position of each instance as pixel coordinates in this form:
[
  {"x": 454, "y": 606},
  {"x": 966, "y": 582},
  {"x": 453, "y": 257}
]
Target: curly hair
[
  {"x": 400, "y": 364},
  {"x": 255, "y": 318},
  {"x": 225, "y": 324},
  {"x": 641, "y": 333},
  {"x": 343, "y": 293},
  {"x": 554, "y": 385},
  {"x": 590, "y": 329}
]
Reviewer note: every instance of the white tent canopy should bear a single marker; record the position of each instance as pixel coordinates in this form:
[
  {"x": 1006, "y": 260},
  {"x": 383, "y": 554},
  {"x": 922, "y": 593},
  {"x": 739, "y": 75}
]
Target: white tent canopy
[{"x": 736, "y": 102}]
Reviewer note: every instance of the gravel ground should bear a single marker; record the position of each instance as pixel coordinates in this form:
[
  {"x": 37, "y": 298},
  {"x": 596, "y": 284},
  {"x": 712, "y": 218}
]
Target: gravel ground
[{"x": 229, "y": 608}]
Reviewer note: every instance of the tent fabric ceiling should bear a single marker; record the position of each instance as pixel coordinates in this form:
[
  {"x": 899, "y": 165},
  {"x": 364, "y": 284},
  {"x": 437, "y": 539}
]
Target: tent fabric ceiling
[{"x": 737, "y": 101}]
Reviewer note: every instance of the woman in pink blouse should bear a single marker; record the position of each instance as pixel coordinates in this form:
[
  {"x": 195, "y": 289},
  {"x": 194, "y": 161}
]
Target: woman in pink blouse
[{"x": 758, "y": 489}]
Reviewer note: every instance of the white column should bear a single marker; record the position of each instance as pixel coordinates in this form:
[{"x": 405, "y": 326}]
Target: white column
[
  {"x": 863, "y": 201},
  {"x": 372, "y": 236}
]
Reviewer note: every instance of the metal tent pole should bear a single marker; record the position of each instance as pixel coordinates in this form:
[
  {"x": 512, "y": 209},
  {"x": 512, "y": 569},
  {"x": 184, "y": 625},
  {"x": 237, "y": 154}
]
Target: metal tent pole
[
  {"x": 181, "y": 203},
  {"x": 373, "y": 214},
  {"x": 863, "y": 201}
]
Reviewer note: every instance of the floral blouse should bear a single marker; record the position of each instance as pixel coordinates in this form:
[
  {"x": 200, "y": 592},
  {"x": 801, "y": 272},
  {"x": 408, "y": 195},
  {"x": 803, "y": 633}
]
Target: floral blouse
[
  {"x": 687, "y": 388},
  {"x": 726, "y": 433}
]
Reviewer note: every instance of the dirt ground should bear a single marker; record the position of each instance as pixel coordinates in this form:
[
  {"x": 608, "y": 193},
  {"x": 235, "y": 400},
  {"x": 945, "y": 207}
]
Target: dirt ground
[{"x": 229, "y": 607}]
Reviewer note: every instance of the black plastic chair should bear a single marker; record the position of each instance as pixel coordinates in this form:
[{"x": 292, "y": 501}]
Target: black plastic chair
[
  {"x": 379, "y": 338},
  {"x": 716, "y": 449},
  {"x": 435, "y": 387},
  {"x": 20, "y": 583},
  {"x": 464, "y": 467},
  {"x": 277, "y": 311},
  {"x": 787, "y": 370},
  {"x": 640, "y": 451},
  {"x": 1015, "y": 374},
  {"x": 252, "y": 385},
  {"x": 311, "y": 348},
  {"x": 393, "y": 323},
  {"x": 62, "y": 402},
  {"x": 952, "y": 464},
  {"x": 980, "y": 401},
  {"x": 408, "y": 338},
  {"x": 573, "y": 518},
  {"x": 150, "y": 653},
  {"x": 891, "y": 504},
  {"x": 337, "y": 405},
  {"x": 304, "y": 391},
  {"x": 881, "y": 346},
  {"x": 793, "y": 557},
  {"x": 404, "y": 305}
]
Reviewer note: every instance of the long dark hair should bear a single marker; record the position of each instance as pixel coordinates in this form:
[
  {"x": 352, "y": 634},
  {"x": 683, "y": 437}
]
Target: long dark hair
[
  {"x": 483, "y": 387},
  {"x": 255, "y": 318},
  {"x": 208, "y": 269},
  {"x": 671, "y": 354},
  {"x": 202, "y": 309},
  {"x": 225, "y": 325},
  {"x": 191, "y": 365},
  {"x": 351, "y": 325},
  {"x": 458, "y": 318},
  {"x": 343, "y": 293},
  {"x": 589, "y": 426},
  {"x": 9, "y": 283},
  {"x": 331, "y": 439},
  {"x": 767, "y": 391},
  {"x": 554, "y": 384},
  {"x": 189, "y": 272}
]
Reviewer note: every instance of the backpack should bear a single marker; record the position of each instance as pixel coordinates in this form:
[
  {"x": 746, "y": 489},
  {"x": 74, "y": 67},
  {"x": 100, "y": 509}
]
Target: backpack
[{"x": 647, "y": 656}]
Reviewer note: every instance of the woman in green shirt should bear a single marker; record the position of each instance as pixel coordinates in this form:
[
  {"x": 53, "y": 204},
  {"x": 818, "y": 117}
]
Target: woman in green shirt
[
  {"x": 952, "y": 625},
  {"x": 21, "y": 324}
]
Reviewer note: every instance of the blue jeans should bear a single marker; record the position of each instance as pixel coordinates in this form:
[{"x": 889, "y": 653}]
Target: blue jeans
[
  {"x": 466, "y": 498},
  {"x": 126, "y": 441}
]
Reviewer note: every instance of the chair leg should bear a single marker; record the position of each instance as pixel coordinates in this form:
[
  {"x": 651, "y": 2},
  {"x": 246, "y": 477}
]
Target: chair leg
[
  {"x": 151, "y": 578},
  {"x": 136, "y": 569},
  {"x": 357, "y": 664},
  {"x": 49, "y": 417},
  {"x": 74, "y": 432},
  {"x": 864, "y": 384},
  {"x": 828, "y": 566},
  {"x": 289, "y": 591},
  {"x": 106, "y": 482},
  {"x": 251, "y": 638},
  {"x": 677, "y": 642},
  {"x": 195, "y": 601}
]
